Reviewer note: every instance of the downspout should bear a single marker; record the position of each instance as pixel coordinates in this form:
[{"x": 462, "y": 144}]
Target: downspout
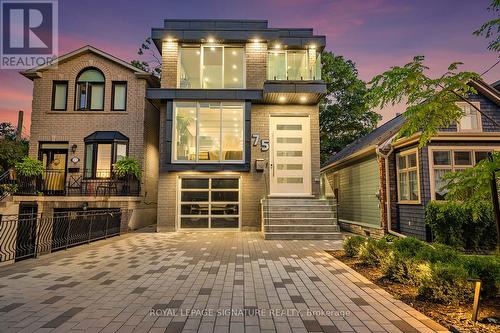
[{"x": 387, "y": 185}]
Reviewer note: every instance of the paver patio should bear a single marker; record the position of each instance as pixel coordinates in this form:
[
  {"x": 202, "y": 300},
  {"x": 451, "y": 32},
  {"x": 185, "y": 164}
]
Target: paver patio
[{"x": 198, "y": 282}]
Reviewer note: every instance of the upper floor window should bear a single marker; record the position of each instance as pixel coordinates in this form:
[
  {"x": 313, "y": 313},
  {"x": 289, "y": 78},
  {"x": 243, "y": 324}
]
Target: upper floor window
[
  {"x": 212, "y": 67},
  {"x": 408, "y": 177},
  {"x": 471, "y": 121},
  {"x": 59, "y": 95},
  {"x": 208, "y": 132},
  {"x": 119, "y": 92},
  {"x": 90, "y": 90},
  {"x": 294, "y": 65}
]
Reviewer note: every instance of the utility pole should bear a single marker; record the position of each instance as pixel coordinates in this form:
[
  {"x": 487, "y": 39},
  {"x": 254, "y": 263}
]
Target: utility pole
[
  {"x": 496, "y": 204},
  {"x": 19, "y": 132}
]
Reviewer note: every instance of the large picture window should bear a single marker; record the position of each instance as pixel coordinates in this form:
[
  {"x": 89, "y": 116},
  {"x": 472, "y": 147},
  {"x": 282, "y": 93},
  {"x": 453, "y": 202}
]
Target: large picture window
[
  {"x": 90, "y": 90},
  {"x": 102, "y": 150},
  {"x": 211, "y": 67},
  {"x": 208, "y": 132},
  {"x": 444, "y": 161},
  {"x": 408, "y": 177}
]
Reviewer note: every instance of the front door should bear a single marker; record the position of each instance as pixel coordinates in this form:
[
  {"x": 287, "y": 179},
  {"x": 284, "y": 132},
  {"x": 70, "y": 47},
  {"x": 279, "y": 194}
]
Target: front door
[
  {"x": 54, "y": 176},
  {"x": 290, "y": 156}
]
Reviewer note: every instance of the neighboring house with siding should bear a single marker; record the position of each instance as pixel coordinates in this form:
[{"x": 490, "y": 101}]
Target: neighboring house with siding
[{"x": 377, "y": 180}]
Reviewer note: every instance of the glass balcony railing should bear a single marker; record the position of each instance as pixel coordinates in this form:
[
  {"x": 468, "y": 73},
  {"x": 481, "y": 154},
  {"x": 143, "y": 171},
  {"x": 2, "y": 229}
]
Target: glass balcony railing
[{"x": 294, "y": 65}]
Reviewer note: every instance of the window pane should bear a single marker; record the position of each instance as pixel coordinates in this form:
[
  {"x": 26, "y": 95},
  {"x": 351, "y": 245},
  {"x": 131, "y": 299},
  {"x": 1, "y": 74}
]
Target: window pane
[
  {"x": 121, "y": 151},
  {"x": 481, "y": 155},
  {"x": 412, "y": 160},
  {"x": 91, "y": 75},
  {"x": 120, "y": 96},
  {"x": 194, "y": 222},
  {"x": 402, "y": 162},
  {"x": 470, "y": 120},
  {"x": 233, "y": 67},
  {"x": 212, "y": 67},
  {"x": 190, "y": 68},
  {"x": 225, "y": 183},
  {"x": 224, "y": 222},
  {"x": 89, "y": 149},
  {"x": 224, "y": 195},
  {"x": 60, "y": 93},
  {"x": 103, "y": 163},
  {"x": 81, "y": 96},
  {"x": 194, "y": 196},
  {"x": 297, "y": 65},
  {"x": 232, "y": 132},
  {"x": 318, "y": 66},
  {"x": 225, "y": 209},
  {"x": 277, "y": 66},
  {"x": 209, "y": 132},
  {"x": 403, "y": 186},
  {"x": 185, "y": 132},
  {"x": 413, "y": 185},
  {"x": 290, "y": 180},
  {"x": 289, "y": 153},
  {"x": 439, "y": 183},
  {"x": 96, "y": 96},
  {"x": 463, "y": 158},
  {"x": 442, "y": 157},
  {"x": 194, "y": 209},
  {"x": 194, "y": 183}
]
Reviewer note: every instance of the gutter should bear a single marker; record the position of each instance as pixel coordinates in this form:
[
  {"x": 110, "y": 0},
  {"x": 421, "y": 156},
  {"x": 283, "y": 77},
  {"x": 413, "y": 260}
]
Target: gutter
[{"x": 387, "y": 185}]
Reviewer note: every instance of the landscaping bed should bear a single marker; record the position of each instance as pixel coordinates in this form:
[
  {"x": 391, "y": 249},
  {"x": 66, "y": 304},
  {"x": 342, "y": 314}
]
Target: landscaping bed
[{"x": 428, "y": 290}]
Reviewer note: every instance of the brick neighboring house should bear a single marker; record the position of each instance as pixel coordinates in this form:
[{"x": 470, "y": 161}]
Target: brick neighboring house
[
  {"x": 371, "y": 194},
  {"x": 88, "y": 112},
  {"x": 239, "y": 128}
]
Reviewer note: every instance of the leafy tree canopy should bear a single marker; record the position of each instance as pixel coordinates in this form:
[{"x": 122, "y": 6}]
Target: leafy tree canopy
[
  {"x": 11, "y": 151},
  {"x": 491, "y": 29},
  {"x": 344, "y": 113},
  {"x": 151, "y": 59},
  {"x": 431, "y": 104}
]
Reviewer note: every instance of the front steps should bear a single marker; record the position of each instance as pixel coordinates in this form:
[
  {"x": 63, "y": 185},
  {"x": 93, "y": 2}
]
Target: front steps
[{"x": 299, "y": 218}]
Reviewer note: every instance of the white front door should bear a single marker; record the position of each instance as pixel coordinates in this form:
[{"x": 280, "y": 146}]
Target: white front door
[{"x": 290, "y": 155}]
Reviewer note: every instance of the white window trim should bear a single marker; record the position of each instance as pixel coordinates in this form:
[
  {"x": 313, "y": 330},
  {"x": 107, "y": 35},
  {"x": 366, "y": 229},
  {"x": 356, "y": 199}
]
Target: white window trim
[
  {"x": 193, "y": 176},
  {"x": 479, "y": 119},
  {"x": 174, "y": 159},
  {"x": 408, "y": 169},
  {"x": 432, "y": 167},
  {"x": 200, "y": 49}
]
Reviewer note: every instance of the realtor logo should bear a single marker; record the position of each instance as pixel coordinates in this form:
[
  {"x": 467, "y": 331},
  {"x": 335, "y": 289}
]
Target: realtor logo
[{"x": 28, "y": 33}]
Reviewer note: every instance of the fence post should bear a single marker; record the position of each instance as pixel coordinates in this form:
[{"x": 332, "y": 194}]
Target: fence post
[
  {"x": 106, "y": 229},
  {"x": 68, "y": 233},
  {"x": 90, "y": 230}
]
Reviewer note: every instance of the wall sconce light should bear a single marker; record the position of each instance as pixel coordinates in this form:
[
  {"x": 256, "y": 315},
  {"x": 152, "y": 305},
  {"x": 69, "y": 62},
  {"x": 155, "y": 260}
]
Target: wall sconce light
[
  {"x": 85, "y": 205},
  {"x": 73, "y": 148}
]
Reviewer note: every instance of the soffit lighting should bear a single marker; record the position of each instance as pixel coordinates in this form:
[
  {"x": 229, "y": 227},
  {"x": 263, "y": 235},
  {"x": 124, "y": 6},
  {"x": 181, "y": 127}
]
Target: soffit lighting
[
  {"x": 303, "y": 98},
  {"x": 277, "y": 46},
  {"x": 282, "y": 98},
  {"x": 211, "y": 40}
]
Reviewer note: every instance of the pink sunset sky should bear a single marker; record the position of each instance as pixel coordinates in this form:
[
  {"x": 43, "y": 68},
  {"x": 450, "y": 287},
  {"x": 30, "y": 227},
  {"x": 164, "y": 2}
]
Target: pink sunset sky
[{"x": 375, "y": 34}]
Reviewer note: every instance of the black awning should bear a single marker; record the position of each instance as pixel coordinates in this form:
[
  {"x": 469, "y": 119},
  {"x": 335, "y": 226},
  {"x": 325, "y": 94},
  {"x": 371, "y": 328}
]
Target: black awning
[{"x": 106, "y": 136}]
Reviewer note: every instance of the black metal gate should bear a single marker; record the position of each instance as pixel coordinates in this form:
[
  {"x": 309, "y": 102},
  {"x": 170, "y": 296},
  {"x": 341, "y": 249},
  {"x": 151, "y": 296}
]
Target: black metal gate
[{"x": 26, "y": 231}]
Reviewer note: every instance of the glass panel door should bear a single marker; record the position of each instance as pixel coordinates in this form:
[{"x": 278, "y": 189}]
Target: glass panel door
[
  {"x": 209, "y": 203},
  {"x": 54, "y": 175}
]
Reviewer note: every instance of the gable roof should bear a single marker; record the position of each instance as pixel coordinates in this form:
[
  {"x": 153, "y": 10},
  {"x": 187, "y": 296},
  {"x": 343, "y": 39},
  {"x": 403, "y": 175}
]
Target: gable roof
[
  {"x": 33, "y": 72},
  {"x": 390, "y": 128}
]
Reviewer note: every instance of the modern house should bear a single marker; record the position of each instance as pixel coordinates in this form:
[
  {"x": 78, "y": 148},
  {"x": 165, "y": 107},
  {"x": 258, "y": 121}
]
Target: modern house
[
  {"x": 383, "y": 184},
  {"x": 89, "y": 111},
  {"x": 239, "y": 128}
]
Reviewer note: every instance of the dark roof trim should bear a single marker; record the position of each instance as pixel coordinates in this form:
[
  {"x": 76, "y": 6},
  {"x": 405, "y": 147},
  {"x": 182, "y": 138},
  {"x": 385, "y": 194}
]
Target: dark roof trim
[
  {"x": 203, "y": 94},
  {"x": 106, "y": 136}
]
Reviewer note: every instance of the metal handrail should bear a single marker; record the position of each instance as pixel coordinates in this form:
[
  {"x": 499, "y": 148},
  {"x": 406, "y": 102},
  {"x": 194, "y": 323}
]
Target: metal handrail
[{"x": 4, "y": 180}]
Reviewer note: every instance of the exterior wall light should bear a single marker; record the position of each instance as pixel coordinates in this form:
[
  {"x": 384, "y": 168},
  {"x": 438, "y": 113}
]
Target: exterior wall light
[{"x": 73, "y": 148}]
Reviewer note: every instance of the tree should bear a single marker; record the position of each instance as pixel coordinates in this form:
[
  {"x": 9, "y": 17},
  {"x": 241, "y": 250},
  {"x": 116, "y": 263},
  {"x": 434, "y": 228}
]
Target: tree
[
  {"x": 344, "y": 112},
  {"x": 152, "y": 62},
  {"x": 491, "y": 29},
  {"x": 11, "y": 150}
]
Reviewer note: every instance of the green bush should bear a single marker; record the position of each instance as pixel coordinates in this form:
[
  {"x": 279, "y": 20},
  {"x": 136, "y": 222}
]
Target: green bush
[
  {"x": 127, "y": 166},
  {"x": 446, "y": 283},
  {"x": 486, "y": 268},
  {"x": 29, "y": 167},
  {"x": 470, "y": 227},
  {"x": 373, "y": 252},
  {"x": 352, "y": 245}
]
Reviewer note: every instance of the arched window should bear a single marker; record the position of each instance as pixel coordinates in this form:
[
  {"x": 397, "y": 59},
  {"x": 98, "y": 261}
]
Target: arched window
[{"x": 90, "y": 90}]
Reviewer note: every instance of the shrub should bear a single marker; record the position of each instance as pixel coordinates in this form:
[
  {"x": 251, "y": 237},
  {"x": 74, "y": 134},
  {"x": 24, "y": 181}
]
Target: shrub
[
  {"x": 486, "y": 268},
  {"x": 373, "y": 252},
  {"x": 352, "y": 245},
  {"x": 127, "y": 166},
  {"x": 465, "y": 226},
  {"x": 29, "y": 167},
  {"x": 447, "y": 283}
]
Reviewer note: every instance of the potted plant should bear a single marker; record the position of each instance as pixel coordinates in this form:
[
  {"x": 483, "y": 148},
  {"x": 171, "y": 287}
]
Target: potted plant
[
  {"x": 28, "y": 171},
  {"x": 128, "y": 169}
]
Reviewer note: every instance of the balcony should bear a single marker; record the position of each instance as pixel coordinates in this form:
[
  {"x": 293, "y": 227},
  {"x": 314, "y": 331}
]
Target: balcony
[
  {"x": 294, "y": 65},
  {"x": 59, "y": 183}
]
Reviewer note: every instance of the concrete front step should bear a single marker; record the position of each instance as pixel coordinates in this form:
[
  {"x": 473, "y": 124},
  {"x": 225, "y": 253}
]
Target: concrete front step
[
  {"x": 301, "y": 228},
  {"x": 302, "y": 221},
  {"x": 281, "y": 208},
  {"x": 302, "y": 235},
  {"x": 295, "y": 201},
  {"x": 299, "y": 215}
]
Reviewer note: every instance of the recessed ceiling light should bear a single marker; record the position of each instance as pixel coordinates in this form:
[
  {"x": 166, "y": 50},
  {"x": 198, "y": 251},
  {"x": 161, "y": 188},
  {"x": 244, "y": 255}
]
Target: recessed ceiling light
[
  {"x": 235, "y": 79},
  {"x": 277, "y": 46},
  {"x": 234, "y": 52},
  {"x": 234, "y": 66},
  {"x": 211, "y": 40},
  {"x": 212, "y": 49},
  {"x": 198, "y": 52},
  {"x": 303, "y": 98},
  {"x": 282, "y": 98},
  {"x": 313, "y": 46}
]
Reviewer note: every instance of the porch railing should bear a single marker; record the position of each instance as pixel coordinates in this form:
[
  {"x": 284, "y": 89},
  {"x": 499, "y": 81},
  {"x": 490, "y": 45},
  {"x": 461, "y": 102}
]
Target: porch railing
[
  {"x": 28, "y": 235},
  {"x": 55, "y": 182}
]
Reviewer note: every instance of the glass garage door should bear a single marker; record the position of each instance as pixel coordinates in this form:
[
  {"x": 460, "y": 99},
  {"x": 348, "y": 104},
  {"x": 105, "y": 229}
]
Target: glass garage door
[{"x": 209, "y": 203}]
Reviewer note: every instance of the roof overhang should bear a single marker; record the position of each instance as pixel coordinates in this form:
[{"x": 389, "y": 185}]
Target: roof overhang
[
  {"x": 351, "y": 158},
  {"x": 293, "y": 92},
  {"x": 163, "y": 94}
]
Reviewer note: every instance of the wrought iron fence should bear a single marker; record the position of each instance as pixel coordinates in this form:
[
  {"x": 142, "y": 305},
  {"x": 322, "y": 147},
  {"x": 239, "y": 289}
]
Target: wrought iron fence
[
  {"x": 28, "y": 235},
  {"x": 55, "y": 182}
]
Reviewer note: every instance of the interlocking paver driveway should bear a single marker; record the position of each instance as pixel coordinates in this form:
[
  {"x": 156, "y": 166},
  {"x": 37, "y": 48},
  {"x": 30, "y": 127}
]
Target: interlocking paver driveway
[{"x": 198, "y": 282}]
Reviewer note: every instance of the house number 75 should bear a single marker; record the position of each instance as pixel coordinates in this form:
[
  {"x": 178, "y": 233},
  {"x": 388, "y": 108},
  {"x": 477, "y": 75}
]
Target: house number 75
[{"x": 264, "y": 143}]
